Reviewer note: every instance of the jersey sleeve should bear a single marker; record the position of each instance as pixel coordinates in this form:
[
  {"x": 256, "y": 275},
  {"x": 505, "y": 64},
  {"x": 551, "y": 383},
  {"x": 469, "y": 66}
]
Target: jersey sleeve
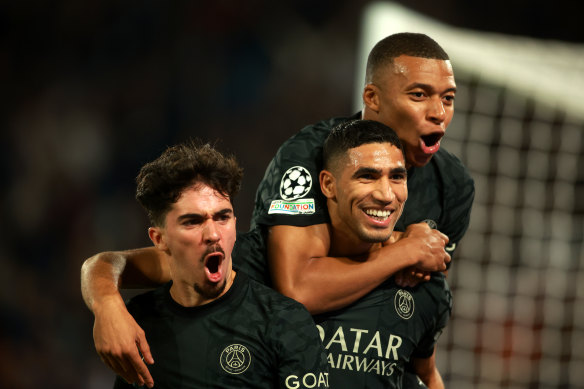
[
  {"x": 302, "y": 361},
  {"x": 443, "y": 301},
  {"x": 289, "y": 193}
]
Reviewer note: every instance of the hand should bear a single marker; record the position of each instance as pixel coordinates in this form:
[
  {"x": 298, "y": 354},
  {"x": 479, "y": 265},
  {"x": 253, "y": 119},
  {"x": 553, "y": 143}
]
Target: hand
[
  {"x": 411, "y": 277},
  {"x": 119, "y": 340},
  {"x": 426, "y": 246}
]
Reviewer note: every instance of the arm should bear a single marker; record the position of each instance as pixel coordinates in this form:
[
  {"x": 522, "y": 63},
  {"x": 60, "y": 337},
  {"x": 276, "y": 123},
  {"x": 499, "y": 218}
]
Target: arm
[
  {"x": 119, "y": 340},
  {"x": 301, "y": 269},
  {"x": 426, "y": 369}
]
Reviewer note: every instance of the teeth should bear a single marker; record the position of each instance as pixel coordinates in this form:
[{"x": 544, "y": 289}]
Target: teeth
[{"x": 378, "y": 213}]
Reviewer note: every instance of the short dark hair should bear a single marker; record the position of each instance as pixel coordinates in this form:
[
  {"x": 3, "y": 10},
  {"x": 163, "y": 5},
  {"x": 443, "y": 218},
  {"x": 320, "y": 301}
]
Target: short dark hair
[
  {"x": 161, "y": 182},
  {"x": 403, "y": 43},
  {"x": 355, "y": 133}
]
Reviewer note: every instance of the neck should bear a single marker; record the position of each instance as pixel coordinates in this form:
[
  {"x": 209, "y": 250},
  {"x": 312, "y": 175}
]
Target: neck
[
  {"x": 346, "y": 244},
  {"x": 186, "y": 294}
]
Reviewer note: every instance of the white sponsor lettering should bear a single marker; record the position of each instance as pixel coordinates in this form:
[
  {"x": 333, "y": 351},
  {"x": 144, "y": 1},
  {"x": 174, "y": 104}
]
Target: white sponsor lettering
[
  {"x": 308, "y": 380},
  {"x": 338, "y": 337},
  {"x": 363, "y": 364},
  {"x": 393, "y": 347},
  {"x": 298, "y": 207},
  {"x": 377, "y": 356},
  {"x": 357, "y": 338}
]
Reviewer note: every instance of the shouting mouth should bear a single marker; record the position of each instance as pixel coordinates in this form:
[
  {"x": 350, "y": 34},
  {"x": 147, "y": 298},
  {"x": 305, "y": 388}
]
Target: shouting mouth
[
  {"x": 431, "y": 143},
  {"x": 213, "y": 268}
]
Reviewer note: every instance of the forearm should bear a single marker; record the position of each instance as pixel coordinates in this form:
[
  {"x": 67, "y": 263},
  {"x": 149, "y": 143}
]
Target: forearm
[
  {"x": 324, "y": 284},
  {"x": 433, "y": 380},
  {"x": 100, "y": 277},
  {"x": 426, "y": 369}
]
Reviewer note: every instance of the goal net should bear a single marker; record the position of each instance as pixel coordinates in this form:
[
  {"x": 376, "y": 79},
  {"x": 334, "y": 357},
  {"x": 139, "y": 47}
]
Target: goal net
[{"x": 518, "y": 277}]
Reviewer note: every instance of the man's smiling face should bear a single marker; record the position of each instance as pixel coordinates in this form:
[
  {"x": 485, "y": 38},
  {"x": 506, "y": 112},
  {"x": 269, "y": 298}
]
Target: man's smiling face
[{"x": 370, "y": 191}]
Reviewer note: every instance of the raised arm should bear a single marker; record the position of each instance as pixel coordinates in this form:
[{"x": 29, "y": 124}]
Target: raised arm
[
  {"x": 119, "y": 340},
  {"x": 301, "y": 268}
]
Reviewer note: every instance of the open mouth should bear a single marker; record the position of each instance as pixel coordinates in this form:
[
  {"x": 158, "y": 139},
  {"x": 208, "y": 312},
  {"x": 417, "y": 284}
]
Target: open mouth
[
  {"x": 213, "y": 266},
  {"x": 431, "y": 143},
  {"x": 378, "y": 214},
  {"x": 213, "y": 262}
]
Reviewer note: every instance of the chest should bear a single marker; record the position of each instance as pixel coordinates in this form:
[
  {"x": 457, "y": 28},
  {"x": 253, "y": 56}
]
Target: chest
[
  {"x": 228, "y": 355},
  {"x": 371, "y": 341}
]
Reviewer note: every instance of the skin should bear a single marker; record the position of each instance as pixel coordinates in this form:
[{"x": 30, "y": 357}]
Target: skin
[
  {"x": 369, "y": 181},
  {"x": 414, "y": 96},
  {"x": 199, "y": 229}
]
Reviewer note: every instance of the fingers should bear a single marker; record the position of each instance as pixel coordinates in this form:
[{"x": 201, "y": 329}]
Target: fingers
[
  {"x": 139, "y": 365},
  {"x": 408, "y": 278},
  {"x": 142, "y": 373},
  {"x": 120, "y": 367},
  {"x": 144, "y": 349}
]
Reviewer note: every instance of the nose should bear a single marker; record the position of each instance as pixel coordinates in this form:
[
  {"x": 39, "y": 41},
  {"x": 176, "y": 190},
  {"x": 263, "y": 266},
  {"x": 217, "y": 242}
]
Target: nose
[
  {"x": 384, "y": 192},
  {"x": 211, "y": 233},
  {"x": 437, "y": 111}
]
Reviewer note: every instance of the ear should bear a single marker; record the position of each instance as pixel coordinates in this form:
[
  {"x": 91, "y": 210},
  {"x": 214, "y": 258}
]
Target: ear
[
  {"x": 371, "y": 97},
  {"x": 327, "y": 184},
  {"x": 156, "y": 235}
]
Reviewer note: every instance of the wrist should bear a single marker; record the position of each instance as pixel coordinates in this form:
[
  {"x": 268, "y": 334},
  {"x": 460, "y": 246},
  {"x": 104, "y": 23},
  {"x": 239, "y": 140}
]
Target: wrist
[{"x": 107, "y": 303}]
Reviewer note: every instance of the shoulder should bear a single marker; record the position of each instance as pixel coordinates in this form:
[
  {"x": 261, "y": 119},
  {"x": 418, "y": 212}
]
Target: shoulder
[
  {"x": 147, "y": 303},
  {"x": 273, "y": 301},
  {"x": 280, "y": 311},
  {"x": 450, "y": 166},
  {"x": 313, "y": 134}
]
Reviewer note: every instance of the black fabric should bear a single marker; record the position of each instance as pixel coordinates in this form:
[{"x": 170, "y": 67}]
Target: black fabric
[
  {"x": 370, "y": 342},
  {"x": 251, "y": 337}
]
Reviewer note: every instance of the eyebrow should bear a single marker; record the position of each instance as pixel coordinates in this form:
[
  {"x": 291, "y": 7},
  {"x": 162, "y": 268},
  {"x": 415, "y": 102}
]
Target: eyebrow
[
  {"x": 222, "y": 212},
  {"x": 420, "y": 85},
  {"x": 365, "y": 170},
  {"x": 370, "y": 170},
  {"x": 399, "y": 170}
]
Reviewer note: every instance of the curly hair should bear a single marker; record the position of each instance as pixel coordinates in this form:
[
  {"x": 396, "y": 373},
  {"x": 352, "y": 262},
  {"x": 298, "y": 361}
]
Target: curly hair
[
  {"x": 403, "y": 43},
  {"x": 161, "y": 182}
]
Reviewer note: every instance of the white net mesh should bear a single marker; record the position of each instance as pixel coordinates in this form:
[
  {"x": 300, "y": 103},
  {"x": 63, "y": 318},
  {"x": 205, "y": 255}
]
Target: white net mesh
[
  {"x": 518, "y": 276},
  {"x": 518, "y": 320}
]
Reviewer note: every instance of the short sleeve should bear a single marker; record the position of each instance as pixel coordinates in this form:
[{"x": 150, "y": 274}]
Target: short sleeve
[{"x": 289, "y": 193}]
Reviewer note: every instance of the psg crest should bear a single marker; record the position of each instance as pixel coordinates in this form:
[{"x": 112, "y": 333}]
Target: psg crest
[
  {"x": 404, "y": 304},
  {"x": 295, "y": 184},
  {"x": 235, "y": 359}
]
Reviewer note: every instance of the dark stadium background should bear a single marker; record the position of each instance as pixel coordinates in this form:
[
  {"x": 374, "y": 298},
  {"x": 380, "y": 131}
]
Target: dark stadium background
[{"x": 92, "y": 90}]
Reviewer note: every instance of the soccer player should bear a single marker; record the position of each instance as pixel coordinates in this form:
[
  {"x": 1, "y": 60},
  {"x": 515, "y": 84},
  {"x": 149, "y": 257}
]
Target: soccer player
[
  {"x": 211, "y": 327},
  {"x": 371, "y": 341},
  {"x": 410, "y": 87}
]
